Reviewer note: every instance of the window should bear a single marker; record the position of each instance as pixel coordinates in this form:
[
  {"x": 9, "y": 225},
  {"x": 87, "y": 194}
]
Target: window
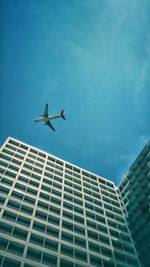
[
  {"x": 53, "y": 220},
  {"x": 15, "y": 248},
  {"x": 67, "y": 225},
  {"x": 51, "y": 244},
  {"x": 29, "y": 200},
  {"x": 91, "y": 224},
  {"x": 49, "y": 260},
  {"x": 51, "y": 231},
  {"x": 68, "y": 215},
  {"x": 46, "y": 188},
  {"x": 23, "y": 221},
  {"x": 26, "y": 210},
  {"x": 39, "y": 227},
  {"x": 45, "y": 196},
  {"x": 106, "y": 252},
  {"x": 80, "y": 255},
  {"x": 66, "y": 263},
  {"x": 56, "y": 201},
  {"x": 34, "y": 254},
  {"x": 4, "y": 190},
  {"x": 41, "y": 215},
  {"x": 20, "y": 233},
  {"x": 92, "y": 235},
  {"x": 67, "y": 250},
  {"x": 67, "y": 237},
  {"x": 94, "y": 247},
  {"x": 2, "y": 200},
  {"x": 79, "y": 242},
  {"x": 6, "y": 181},
  {"x": 78, "y": 210},
  {"x": 79, "y": 230},
  {"x": 43, "y": 205},
  {"x": 103, "y": 239},
  {"x": 54, "y": 210},
  {"x": 9, "y": 216},
  {"x": 3, "y": 243},
  {"x": 78, "y": 219},
  {"x": 20, "y": 187},
  {"x": 95, "y": 261},
  {"x": 36, "y": 239},
  {"x": 13, "y": 204},
  {"x": 10, "y": 262}
]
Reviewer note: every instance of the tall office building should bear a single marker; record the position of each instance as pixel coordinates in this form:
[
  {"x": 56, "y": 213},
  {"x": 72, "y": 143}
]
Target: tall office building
[
  {"x": 54, "y": 213},
  {"x": 135, "y": 192}
]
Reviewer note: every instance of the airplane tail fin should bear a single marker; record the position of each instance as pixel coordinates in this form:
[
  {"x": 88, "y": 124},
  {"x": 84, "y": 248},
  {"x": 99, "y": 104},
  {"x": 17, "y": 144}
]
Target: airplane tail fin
[{"x": 63, "y": 114}]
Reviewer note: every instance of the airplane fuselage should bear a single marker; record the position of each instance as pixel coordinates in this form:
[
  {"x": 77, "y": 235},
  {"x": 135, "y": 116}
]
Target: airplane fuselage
[{"x": 48, "y": 118}]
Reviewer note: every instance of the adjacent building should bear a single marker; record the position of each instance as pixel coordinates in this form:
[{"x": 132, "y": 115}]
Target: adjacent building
[
  {"x": 135, "y": 193},
  {"x": 53, "y": 213}
]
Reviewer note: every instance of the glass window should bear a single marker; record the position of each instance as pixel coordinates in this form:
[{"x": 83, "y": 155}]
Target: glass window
[
  {"x": 68, "y": 215},
  {"x": 67, "y": 250},
  {"x": 56, "y": 201},
  {"x": 45, "y": 196},
  {"x": 67, "y": 237},
  {"x": 46, "y": 188},
  {"x": 51, "y": 244},
  {"x": 13, "y": 204},
  {"x": 103, "y": 239},
  {"x": 106, "y": 252},
  {"x": 51, "y": 231},
  {"x": 23, "y": 221},
  {"x": 3, "y": 243},
  {"x": 9, "y": 216},
  {"x": 54, "y": 210},
  {"x": 31, "y": 191},
  {"x": 91, "y": 224},
  {"x": 92, "y": 235},
  {"x": 79, "y": 230},
  {"x": 2, "y": 200},
  {"x": 78, "y": 210},
  {"x": 78, "y": 219},
  {"x": 41, "y": 215},
  {"x": 15, "y": 248},
  {"x": 26, "y": 209},
  {"x": 53, "y": 220},
  {"x": 80, "y": 242},
  {"x": 67, "y": 225},
  {"x": 66, "y": 263},
  {"x": 39, "y": 227},
  {"x": 29, "y": 200},
  {"x": 4, "y": 190},
  {"x": 34, "y": 254},
  {"x": 80, "y": 255},
  {"x": 95, "y": 261},
  {"x": 20, "y": 233},
  {"x": 36, "y": 239},
  {"x": 20, "y": 187},
  {"x": 6, "y": 181},
  {"x": 94, "y": 247},
  {"x": 49, "y": 260},
  {"x": 43, "y": 205},
  {"x": 10, "y": 262},
  {"x": 10, "y": 174}
]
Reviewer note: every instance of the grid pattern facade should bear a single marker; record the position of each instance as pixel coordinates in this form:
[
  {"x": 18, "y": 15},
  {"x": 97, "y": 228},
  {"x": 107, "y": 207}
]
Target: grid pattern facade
[
  {"x": 135, "y": 193},
  {"x": 53, "y": 213}
]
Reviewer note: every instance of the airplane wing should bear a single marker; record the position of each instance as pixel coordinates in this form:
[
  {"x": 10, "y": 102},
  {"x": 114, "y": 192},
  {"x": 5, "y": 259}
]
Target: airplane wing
[
  {"x": 50, "y": 125},
  {"x": 45, "y": 111}
]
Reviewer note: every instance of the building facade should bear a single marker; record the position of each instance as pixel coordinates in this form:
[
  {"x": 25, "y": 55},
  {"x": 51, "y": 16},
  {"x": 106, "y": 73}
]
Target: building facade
[
  {"x": 53, "y": 213},
  {"x": 135, "y": 193}
]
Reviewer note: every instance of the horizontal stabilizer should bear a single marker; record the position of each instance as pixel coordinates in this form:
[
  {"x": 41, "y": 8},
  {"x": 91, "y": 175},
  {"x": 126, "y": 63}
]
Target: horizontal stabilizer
[{"x": 63, "y": 114}]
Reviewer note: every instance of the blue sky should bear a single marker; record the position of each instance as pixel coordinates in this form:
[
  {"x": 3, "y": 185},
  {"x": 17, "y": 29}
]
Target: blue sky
[{"x": 89, "y": 57}]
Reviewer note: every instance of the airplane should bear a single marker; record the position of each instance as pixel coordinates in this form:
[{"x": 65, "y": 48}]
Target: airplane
[{"x": 46, "y": 118}]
